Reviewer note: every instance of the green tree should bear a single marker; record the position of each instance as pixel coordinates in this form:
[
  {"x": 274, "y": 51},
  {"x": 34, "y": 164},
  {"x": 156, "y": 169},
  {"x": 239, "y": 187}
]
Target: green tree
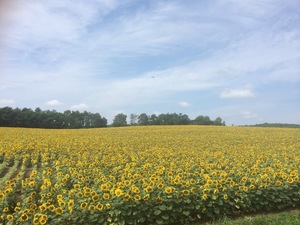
[
  {"x": 153, "y": 120},
  {"x": 120, "y": 120},
  {"x": 218, "y": 122},
  {"x": 133, "y": 119},
  {"x": 143, "y": 119},
  {"x": 203, "y": 120}
]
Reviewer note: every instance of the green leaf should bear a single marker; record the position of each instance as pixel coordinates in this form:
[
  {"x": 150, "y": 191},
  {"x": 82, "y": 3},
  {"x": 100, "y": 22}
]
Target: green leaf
[
  {"x": 162, "y": 207},
  {"x": 159, "y": 221},
  {"x": 157, "y": 212},
  {"x": 122, "y": 222},
  {"x": 258, "y": 192},
  {"x": 220, "y": 202},
  {"x": 165, "y": 217},
  {"x": 216, "y": 210},
  {"x": 187, "y": 200},
  {"x": 186, "y": 213}
]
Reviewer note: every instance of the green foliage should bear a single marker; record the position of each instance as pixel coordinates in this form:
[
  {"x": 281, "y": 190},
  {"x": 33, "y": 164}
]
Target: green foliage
[
  {"x": 287, "y": 125},
  {"x": 285, "y": 218},
  {"x": 120, "y": 120},
  {"x": 49, "y": 119},
  {"x": 176, "y": 119}
]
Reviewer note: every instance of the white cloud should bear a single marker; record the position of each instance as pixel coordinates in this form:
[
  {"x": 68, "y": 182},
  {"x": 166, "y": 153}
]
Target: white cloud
[
  {"x": 237, "y": 93},
  {"x": 184, "y": 104},
  {"x": 79, "y": 107},
  {"x": 249, "y": 115},
  {"x": 53, "y": 102},
  {"x": 7, "y": 102}
]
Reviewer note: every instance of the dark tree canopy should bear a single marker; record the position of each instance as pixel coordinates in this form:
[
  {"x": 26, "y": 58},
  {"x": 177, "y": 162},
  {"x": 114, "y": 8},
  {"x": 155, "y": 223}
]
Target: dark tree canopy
[
  {"x": 25, "y": 117},
  {"x": 176, "y": 119},
  {"x": 120, "y": 120}
]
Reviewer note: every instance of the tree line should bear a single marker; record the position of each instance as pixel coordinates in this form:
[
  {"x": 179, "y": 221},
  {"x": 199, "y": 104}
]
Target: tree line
[
  {"x": 164, "y": 119},
  {"x": 38, "y": 118}
]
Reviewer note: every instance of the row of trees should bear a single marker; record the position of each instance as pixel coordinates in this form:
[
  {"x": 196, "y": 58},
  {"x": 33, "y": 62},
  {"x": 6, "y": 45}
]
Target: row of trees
[
  {"x": 164, "y": 119},
  {"x": 37, "y": 118},
  {"x": 49, "y": 119}
]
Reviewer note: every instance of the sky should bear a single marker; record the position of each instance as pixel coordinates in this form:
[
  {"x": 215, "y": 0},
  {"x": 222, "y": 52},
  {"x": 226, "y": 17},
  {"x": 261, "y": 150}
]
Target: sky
[{"x": 238, "y": 60}]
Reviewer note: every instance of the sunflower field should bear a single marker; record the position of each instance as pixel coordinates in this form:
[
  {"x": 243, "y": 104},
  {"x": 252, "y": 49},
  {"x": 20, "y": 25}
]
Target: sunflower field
[{"x": 146, "y": 175}]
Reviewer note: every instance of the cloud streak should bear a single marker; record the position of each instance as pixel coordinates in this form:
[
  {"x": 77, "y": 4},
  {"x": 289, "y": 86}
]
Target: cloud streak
[
  {"x": 53, "y": 102},
  {"x": 237, "y": 93}
]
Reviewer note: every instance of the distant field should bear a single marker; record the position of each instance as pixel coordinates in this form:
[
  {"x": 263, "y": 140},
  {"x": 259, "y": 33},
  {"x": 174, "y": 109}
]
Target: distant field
[{"x": 146, "y": 175}]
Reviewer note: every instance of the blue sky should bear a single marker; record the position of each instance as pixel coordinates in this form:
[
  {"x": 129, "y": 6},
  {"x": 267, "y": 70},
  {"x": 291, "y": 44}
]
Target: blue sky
[{"x": 239, "y": 60}]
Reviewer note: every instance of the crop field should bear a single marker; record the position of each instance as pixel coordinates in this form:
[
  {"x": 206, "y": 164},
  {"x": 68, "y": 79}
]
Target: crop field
[{"x": 146, "y": 175}]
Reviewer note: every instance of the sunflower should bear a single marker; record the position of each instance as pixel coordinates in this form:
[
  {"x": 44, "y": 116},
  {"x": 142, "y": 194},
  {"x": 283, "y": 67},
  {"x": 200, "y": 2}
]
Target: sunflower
[
  {"x": 168, "y": 190},
  {"x": 59, "y": 211},
  {"x": 43, "y": 221},
  {"x": 137, "y": 197},
  {"x": 70, "y": 203},
  {"x": 106, "y": 196},
  {"x": 92, "y": 207},
  {"x": 104, "y": 187},
  {"x": 9, "y": 217},
  {"x": 225, "y": 197},
  {"x": 36, "y": 221},
  {"x": 160, "y": 185},
  {"x": 244, "y": 179},
  {"x": 290, "y": 180},
  {"x": 185, "y": 192},
  {"x": 31, "y": 184},
  {"x": 51, "y": 208},
  {"x": 43, "y": 207},
  {"x": 83, "y": 205},
  {"x": 127, "y": 197},
  {"x": 61, "y": 203},
  {"x": 95, "y": 197},
  {"x": 23, "y": 217},
  {"x": 146, "y": 197},
  {"x": 118, "y": 192},
  {"x": 99, "y": 207},
  {"x": 192, "y": 181},
  {"x": 148, "y": 189}
]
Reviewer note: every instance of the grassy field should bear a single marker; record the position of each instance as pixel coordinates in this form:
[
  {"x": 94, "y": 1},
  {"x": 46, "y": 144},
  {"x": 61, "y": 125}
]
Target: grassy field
[
  {"x": 284, "y": 218},
  {"x": 147, "y": 175}
]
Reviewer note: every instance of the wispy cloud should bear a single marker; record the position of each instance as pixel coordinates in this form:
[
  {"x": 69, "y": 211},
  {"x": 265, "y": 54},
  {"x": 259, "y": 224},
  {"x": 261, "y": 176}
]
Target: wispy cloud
[
  {"x": 79, "y": 107},
  {"x": 53, "y": 102},
  {"x": 7, "y": 102},
  {"x": 249, "y": 115},
  {"x": 237, "y": 93},
  {"x": 184, "y": 104}
]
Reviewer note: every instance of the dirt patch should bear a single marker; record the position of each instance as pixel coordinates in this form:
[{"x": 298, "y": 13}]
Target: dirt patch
[
  {"x": 27, "y": 173},
  {"x": 15, "y": 173},
  {"x": 4, "y": 171}
]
